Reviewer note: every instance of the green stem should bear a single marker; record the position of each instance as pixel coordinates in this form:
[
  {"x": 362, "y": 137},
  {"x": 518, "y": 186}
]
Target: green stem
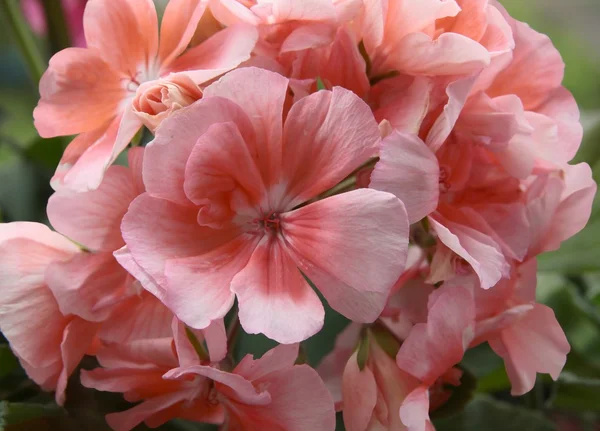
[
  {"x": 24, "y": 38},
  {"x": 58, "y": 32}
]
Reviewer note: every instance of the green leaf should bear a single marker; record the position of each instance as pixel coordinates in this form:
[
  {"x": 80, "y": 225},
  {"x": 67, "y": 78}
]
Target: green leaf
[
  {"x": 485, "y": 413},
  {"x": 363, "y": 350},
  {"x": 8, "y": 361},
  {"x": 320, "y": 84},
  {"x": 18, "y": 413},
  {"x": 576, "y": 393},
  {"x": 460, "y": 397}
]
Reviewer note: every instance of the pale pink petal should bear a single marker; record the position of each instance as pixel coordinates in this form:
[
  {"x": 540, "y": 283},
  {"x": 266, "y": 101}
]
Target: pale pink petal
[
  {"x": 457, "y": 92},
  {"x": 310, "y": 36},
  {"x": 156, "y": 230},
  {"x": 129, "y": 419},
  {"x": 154, "y": 353},
  {"x": 216, "y": 340},
  {"x": 308, "y": 10},
  {"x": 83, "y": 282},
  {"x": 403, "y": 101},
  {"x": 352, "y": 246},
  {"x": 26, "y": 250},
  {"x": 434, "y": 347},
  {"x": 235, "y": 386},
  {"x": 217, "y": 55},
  {"x": 277, "y": 359},
  {"x": 125, "y": 34},
  {"x": 410, "y": 171},
  {"x": 373, "y": 23},
  {"x": 87, "y": 171},
  {"x": 222, "y": 164},
  {"x": 93, "y": 219},
  {"x": 414, "y": 412},
  {"x": 138, "y": 318},
  {"x": 164, "y": 168},
  {"x": 449, "y": 54},
  {"x": 299, "y": 401},
  {"x": 474, "y": 246},
  {"x": 178, "y": 27},
  {"x": 126, "y": 260},
  {"x": 79, "y": 93},
  {"x": 327, "y": 136},
  {"x": 274, "y": 299},
  {"x": 536, "y": 68},
  {"x": 77, "y": 338},
  {"x": 263, "y": 103},
  {"x": 536, "y": 343},
  {"x": 360, "y": 395},
  {"x": 574, "y": 210},
  {"x": 135, "y": 158},
  {"x": 230, "y": 12},
  {"x": 198, "y": 287}
]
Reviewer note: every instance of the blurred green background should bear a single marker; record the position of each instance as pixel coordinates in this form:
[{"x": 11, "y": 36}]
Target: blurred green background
[{"x": 569, "y": 279}]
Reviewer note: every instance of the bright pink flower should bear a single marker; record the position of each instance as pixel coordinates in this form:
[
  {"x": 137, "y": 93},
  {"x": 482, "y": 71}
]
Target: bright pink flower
[
  {"x": 223, "y": 215},
  {"x": 89, "y": 91},
  {"x": 434, "y": 37},
  {"x": 73, "y": 10},
  {"x": 48, "y": 342},
  {"x": 433, "y": 348},
  {"x": 524, "y": 333},
  {"x": 268, "y": 393},
  {"x": 517, "y": 108}
]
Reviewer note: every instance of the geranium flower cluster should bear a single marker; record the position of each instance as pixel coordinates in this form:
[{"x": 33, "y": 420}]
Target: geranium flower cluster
[{"x": 408, "y": 158}]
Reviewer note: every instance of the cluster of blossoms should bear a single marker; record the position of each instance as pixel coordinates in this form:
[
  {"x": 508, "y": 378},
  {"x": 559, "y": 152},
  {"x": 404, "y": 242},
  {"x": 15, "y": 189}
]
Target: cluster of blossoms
[{"x": 409, "y": 158}]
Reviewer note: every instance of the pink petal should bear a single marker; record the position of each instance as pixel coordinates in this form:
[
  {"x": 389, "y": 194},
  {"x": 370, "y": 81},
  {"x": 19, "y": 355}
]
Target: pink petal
[
  {"x": 308, "y": 10},
  {"x": 79, "y": 92},
  {"x": 135, "y": 158},
  {"x": 457, "y": 92},
  {"x": 263, "y": 103},
  {"x": 434, "y": 347},
  {"x": 327, "y": 136},
  {"x": 476, "y": 247},
  {"x": 129, "y": 419},
  {"x": 536, "y": 343},
  {"x": 230, "y": 12},
  {"x": 138, "y": 318},
  {"x": 155, "y": 353},
  {"x": 449, "y": 54},
  {"x": 410, "y": 171},
  {"x": 198, "y": 287},
  {"x": 403, "y": 101},
  {"x": 222, "y": 52},
  {"x": 126, "y": 260},
  {"x": 299, "y": 401},
  {"x": 231, "y": 385},
  {"x": 77, "y": 338},
  {"x": 360, "y": 395},
  {"x": 278, "y": 358},
  {"x": 26, "y": 250},
  {"x": 414, "y": 412},
  {"x": 216, "y": 340},
  {"x": 163, "y": 167},
  {"x": 86, "y": 171},
  {"x": 274, "y": 299},
  {"x": 352, "y": 246},
  {"x": 156, "y": 230},
  {"x": 574, "y": 210},
  {"x": 125, "y": 34},
  {"x": 536, "y": 68},
  {"x": 177, "y": 28},
  {"x": 221, "y": 162},
  {"x": 83, "y": 282},
  {"x": 93, "y": 219}
]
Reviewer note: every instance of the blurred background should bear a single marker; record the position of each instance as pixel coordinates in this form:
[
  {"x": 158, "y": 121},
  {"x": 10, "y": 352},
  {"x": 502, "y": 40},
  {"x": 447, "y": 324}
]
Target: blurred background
[{"x": 569, "y": 279}]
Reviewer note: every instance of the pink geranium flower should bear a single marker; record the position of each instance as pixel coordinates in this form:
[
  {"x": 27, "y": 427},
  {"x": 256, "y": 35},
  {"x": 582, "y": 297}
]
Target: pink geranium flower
[
  {"x": 89, "y": 91},
  {"x": 171, "y": 381},
  {"x": 48, "y": 342},
  {"x": 228, "y": 210}
]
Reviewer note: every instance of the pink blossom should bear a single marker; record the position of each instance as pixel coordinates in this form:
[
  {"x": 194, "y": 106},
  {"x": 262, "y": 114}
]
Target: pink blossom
[
  {"x": 73, "y": 10},
  {"x": 223, "y": 214},
  {"x": 524, "y": 333},
  {"x": 89, "y": 91},
  {"x": 432, "y": 38},
  {"x": 268, "y": 393},
  {"x": 48, "y": 342}
]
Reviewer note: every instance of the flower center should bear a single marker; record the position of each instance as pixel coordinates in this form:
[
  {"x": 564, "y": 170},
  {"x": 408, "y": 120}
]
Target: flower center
[{"x": 269, "y": 222}]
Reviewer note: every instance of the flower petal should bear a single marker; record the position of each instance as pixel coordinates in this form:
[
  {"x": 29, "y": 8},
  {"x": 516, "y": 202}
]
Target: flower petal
[{"x": 352, "y": 246}]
